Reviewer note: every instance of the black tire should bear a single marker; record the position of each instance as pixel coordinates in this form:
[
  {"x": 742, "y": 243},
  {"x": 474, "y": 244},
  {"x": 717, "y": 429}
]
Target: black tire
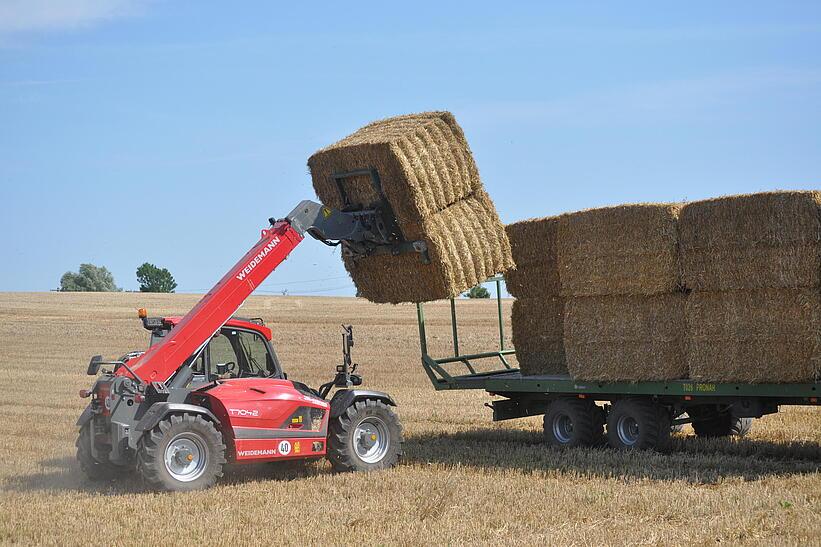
[
  {"x": 93, "y": 469},
  {"x": 348, "y": 450},
  {"x": 722, "y": 425},
  {"x": 635, "y": 424},
  {"x": 573, "y": 422},
  {"x": 188, "y": 435}
]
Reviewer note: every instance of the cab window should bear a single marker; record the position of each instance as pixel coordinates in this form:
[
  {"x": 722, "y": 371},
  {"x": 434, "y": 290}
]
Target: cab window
[{"x": 245, "y": 353}]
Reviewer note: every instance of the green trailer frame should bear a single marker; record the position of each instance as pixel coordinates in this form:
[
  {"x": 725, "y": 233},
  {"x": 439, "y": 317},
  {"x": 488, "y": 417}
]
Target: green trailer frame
[{"x": 531, "y": 395}]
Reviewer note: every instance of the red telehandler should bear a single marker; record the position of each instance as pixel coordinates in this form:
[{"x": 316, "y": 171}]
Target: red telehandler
[{"x": 210, "y": 390}]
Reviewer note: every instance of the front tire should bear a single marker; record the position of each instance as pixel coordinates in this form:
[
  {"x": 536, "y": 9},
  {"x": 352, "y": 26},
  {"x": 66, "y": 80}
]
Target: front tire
[
  {"x": 182, "y": 453},
  {"x": 723, "y": 425},
  {"x": 367, "y": 436},
  {"x": 93, "y": 469}
]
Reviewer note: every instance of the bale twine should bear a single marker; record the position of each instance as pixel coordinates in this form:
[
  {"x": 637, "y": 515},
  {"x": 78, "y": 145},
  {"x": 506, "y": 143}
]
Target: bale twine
[{"x": 625, "y": 338}]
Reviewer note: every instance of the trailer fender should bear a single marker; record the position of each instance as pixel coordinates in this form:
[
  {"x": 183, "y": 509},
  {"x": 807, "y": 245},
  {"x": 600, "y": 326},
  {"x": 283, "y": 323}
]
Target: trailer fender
[
  {"x": 344, "y": 398},
  {"x": 159, "y": 411},
  {"x": 85, "y": 417}
]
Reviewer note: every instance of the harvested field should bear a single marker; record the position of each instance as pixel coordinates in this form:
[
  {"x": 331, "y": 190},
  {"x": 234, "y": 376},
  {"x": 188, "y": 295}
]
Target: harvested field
[
  {"x": 533, "y": 246},
  {"x": 461, "y": 476},
  {"x": 631, "y": 338},
  {"x": 767, "y": 240},
  {"x": 538, "y": 335},
  {"x": 623, "y": 250},
  {"x": 431, "y": 182},
  {"x": 769, "y": 335}
]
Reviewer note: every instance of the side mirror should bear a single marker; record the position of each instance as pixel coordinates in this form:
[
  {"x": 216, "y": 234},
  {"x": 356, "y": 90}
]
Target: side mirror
[
  {"x": 94, "y": 365},
  {"x": 222, "y": 368}
]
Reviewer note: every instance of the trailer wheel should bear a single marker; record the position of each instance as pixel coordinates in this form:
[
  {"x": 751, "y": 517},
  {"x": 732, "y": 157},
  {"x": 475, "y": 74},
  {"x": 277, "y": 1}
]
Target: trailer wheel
[
  {"x": 182, "y": 453},
  {"x": 573, "y": 422},
  {"x": 93, "y": 469},
  {"x": 367, "y": 436},
  {"x": 636, "y": 424},
  {"x": 723, "y": 425}
]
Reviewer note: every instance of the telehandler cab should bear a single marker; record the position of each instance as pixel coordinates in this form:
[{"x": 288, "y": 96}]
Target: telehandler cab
[{"x": 210, "y": 390}]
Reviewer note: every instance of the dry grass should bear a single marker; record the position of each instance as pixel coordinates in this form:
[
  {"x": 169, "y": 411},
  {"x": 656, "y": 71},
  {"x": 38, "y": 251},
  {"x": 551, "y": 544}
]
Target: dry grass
[
  {"x": 464, "y": 479},
  {"x": 430, "y": 179}
]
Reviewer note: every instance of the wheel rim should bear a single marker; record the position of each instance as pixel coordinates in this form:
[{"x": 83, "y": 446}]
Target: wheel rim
[
  {"x": 185, "y": 457},
  {"x": 563, "y": 428},
  {"x": 371, "y": 440},
  {"x": 628, "y": 430}
]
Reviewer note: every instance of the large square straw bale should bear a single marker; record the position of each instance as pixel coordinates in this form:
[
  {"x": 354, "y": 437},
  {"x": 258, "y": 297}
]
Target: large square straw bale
[
  {"x": 625, "y": 338},
  {"x": 466, "y": 245},
  {"x": 623, "y": 250},
  {"x": 533, "y": 245},
  {"x": 761, "y": 336},
  {"x": 767, "y": 240},
  {"x": 538, "y": 335},
  {"x": 431, "y": 182}
]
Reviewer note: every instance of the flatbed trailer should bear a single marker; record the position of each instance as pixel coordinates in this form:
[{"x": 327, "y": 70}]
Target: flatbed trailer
[{"x": 637, "y": 414}]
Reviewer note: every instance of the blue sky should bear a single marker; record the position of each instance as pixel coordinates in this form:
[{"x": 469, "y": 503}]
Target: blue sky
[{"x": 169, "y": 132}]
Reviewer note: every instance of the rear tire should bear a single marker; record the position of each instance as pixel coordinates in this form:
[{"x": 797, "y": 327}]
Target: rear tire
[
  {"x": 573, "y": 422},
  {"x": 367, "y": 436},
  {"x": 635, "y": 424},
  {"x": 182, "y": 453},
  {"x": 93, "y": 469},
  {"x": 722, "y": 425}
]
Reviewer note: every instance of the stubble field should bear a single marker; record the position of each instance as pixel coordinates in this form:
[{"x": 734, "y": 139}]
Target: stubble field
[{"x": 463, "y": 479}]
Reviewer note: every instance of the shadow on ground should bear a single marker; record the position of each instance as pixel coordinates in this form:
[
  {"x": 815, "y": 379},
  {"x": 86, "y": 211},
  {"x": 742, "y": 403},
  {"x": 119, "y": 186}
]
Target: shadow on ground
[{"x": 698, "y": 461}]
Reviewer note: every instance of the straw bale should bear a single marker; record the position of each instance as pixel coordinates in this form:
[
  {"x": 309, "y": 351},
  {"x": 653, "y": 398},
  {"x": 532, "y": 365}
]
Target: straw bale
[
  {"x": 538, "y": 335},
  {"x": 424, "y": 163},
  {"x": 622, "y": 250},
  {"x": 761, "y": 336},
  {"x": 533, "y": 245},
  {"x": 625, "y": 338},
  {"x": 431, "y": 182},
  {"x": 766, "y": 240},
  {"x": 466, "y": 244}
]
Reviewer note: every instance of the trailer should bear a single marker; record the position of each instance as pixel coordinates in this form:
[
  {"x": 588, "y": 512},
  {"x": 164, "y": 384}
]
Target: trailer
[{"x": 637, "y": 415}]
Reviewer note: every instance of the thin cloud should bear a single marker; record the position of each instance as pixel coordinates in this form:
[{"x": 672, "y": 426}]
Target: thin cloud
[{"x": 18, "y": 16}]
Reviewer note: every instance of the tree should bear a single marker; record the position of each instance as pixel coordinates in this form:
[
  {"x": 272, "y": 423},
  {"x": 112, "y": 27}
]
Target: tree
[
  {"x": 478, "y": 292},
  {"x": 154, "y": 279},
  {"x": 89, "y": 278}
]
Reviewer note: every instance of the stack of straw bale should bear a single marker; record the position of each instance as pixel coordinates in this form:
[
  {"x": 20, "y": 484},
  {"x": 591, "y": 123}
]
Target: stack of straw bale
[
  {"x": 753, "y": 263},
  {"x": 624, "y": 313},
  {"x": 431, "y": 181},
  {"x": 538, "y": 312}
]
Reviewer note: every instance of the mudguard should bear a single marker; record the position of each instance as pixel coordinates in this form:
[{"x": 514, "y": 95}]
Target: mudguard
[
  {"x": 344, "y": 398},
  {"x": 85, "y": 417},
  {"x": 159, "y": 411}
]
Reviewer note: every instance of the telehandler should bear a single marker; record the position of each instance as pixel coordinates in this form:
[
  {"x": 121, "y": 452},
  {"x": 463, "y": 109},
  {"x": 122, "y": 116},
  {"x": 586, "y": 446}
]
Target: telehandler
[{"x": 210, "y": 390}]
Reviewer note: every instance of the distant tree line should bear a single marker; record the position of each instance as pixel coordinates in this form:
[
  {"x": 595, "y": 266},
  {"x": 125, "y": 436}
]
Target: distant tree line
[{"x": 91, "y": 278}]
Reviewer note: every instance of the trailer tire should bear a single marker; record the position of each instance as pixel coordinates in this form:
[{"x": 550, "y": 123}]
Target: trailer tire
[
  {"x": 181, "y": 453},
  {"x": 92, "y": 468},
  {"x": 722, "y": 425},
  {"x": 572, "y": 422},
  {"x": 636, "y": 424},
  {"x": 367, "y": 436}
]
